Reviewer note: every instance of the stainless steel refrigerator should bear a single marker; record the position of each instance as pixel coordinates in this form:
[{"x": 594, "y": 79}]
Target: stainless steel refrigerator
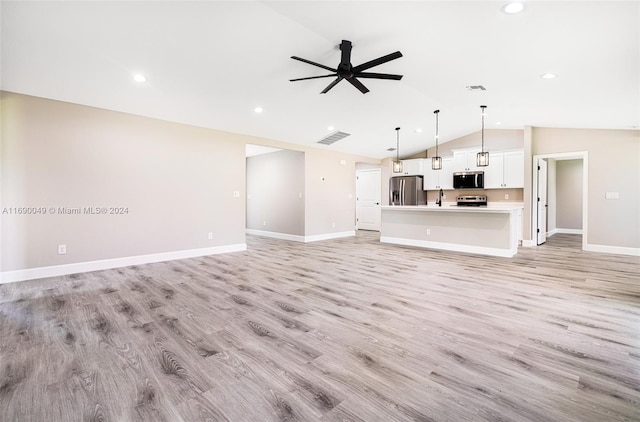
[{"x": 406, "y": 190}]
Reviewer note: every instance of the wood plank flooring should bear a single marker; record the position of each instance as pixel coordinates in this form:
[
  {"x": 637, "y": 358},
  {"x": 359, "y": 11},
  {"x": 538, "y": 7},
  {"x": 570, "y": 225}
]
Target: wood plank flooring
[{"x": 340, "y": 330}]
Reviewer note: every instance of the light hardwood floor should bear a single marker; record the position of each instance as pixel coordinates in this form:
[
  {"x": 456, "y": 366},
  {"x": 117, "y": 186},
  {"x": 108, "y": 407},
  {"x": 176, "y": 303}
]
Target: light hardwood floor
[{"x": 341, "y": 330}]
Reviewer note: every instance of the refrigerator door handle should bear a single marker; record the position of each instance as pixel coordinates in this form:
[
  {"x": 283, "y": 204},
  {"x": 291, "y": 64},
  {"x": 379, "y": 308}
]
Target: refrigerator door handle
[{"x": 402, "y": 192}]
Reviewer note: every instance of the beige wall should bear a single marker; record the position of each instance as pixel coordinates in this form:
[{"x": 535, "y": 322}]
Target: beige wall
[
  {"x": 175, "y": 181},
  {"x": 569, "y": 194},
  {"x": 330, "y": 187},
  {"x": 275, "y": 192},
  {"x": 613, "y": 165}
]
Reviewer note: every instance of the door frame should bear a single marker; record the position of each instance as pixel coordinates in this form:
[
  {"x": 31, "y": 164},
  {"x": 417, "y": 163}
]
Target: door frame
[
  {"x": 578, "y": 155},
  {"x": 365, "y": 170}
]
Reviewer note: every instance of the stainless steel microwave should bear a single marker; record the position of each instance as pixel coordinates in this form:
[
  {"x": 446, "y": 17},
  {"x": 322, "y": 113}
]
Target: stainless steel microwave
[{"x": 468, "y": 180}]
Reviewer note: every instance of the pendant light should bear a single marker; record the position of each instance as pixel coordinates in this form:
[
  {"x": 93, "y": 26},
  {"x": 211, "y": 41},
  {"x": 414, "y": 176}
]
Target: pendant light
[
  {"x": 397, "y": 165},
  {"x": 482, "y": 159},
  {"x": 436, "y": 161}
]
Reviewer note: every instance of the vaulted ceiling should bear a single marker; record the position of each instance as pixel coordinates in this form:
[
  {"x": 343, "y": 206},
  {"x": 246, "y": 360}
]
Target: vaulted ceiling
[{"x": 211, "y": 63}]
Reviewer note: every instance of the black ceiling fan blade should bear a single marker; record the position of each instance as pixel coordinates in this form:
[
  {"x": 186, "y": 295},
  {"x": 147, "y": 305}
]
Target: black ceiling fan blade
[
  {"x": 376, "y": 62},
  {"x": 358, "y": 84},
  {"x": 345, "y": 47},
  {"x": 313, "y": 63},
  {"x": 332, "y": 84},
  {"x": 378, "y": 76},
  {"x": 312, "y": 77}
]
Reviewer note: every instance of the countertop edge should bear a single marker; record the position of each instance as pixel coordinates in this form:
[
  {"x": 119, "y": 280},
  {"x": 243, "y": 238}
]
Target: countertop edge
[{"x": 451, "y": 207}]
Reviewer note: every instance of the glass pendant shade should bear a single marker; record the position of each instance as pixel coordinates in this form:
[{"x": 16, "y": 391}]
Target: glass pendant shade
[
  {"x": 436, "y": 161},
  {"x": 397, "y": 166},
  {"x": 482, "y": 159}
]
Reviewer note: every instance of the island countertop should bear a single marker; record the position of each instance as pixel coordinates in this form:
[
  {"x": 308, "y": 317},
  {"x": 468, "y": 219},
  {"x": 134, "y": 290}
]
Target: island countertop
[
  {"x": 493, "y": 229},
  {"x": 452, "y": 207}
]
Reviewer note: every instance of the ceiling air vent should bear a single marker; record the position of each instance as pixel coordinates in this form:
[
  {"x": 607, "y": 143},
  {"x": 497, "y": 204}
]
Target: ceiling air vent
[
  {"x": 334, "y": 137},
  {"x": 476, "y": 88}
]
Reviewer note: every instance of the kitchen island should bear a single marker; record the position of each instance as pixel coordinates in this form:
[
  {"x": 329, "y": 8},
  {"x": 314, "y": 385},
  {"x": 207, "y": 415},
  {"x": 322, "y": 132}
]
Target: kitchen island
[{"x": 488, "y": 230}]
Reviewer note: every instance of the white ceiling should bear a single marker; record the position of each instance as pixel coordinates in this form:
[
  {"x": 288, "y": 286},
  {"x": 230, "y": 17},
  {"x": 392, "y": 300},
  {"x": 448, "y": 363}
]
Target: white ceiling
[{"x": 210, "y": 63}]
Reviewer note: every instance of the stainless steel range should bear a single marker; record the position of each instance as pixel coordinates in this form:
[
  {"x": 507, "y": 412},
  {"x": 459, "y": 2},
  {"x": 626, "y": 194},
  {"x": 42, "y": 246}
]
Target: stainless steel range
[{"x": 471, "y": 200}]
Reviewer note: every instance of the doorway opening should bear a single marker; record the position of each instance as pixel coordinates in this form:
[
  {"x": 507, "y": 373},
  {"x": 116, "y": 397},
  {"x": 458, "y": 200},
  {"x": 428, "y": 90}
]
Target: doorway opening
[{"x": 560, "y": 202}]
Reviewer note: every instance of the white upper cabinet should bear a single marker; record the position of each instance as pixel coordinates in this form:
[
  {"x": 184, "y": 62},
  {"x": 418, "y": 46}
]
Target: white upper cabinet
[
  {"x": 465, "y": 160},
  {"x": 514, "y": 169},
  {"x": 413, "y": 167},
  {"x": 505, "y": 170},
  {"x": 439, "y": 179}
]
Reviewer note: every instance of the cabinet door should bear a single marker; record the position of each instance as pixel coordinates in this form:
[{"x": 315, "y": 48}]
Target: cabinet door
[
  {"x": 439, "y": 179},
  {"x": 493, "y": 173},
  {"x": 413, "y": 167},
  {"x": 446, "y": 174},
  {"x": 514, "y": 169},
  {"x": 466, "y": 160},
  {"x": 460, "y": 161},
  {"x": 431, "y": 178}
]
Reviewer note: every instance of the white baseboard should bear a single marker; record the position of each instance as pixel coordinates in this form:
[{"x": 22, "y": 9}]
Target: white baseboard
[
  {"x": 505, "y": 253},
  {"x": 568, "y": 231},
  {"x": 106, "y": 264},
  {"x": 304, "y": 239},
  {"x": 620, "y": 250},
  {"x": 276, "y": 235},
  {"x": 328, "y": 236}
]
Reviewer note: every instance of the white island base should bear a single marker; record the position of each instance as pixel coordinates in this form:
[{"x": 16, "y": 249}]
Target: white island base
[{"x": 491, "y": 230}]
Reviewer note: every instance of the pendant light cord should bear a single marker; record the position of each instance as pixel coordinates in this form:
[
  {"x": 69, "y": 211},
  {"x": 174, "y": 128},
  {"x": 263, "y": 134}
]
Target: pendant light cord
[
  {"x": 483, "y": 107},
  {"x": 398, "y": 144},
  {"x": 437, "y": 112}
]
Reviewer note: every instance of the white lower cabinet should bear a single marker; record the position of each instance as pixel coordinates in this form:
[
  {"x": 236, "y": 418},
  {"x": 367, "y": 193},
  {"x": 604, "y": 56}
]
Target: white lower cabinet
[{"x": 439, "y": 179}]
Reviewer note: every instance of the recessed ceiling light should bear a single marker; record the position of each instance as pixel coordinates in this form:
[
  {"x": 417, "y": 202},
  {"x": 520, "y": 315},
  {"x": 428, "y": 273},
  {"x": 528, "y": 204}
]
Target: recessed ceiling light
[
  {"x": 330, "y": 128},
  {"x": 548, "y": 76},
  {"x": 513, "y": 7},
  {"x": 258, "y": 109},
  {"x": 138, "y": 77},
  {"x": 418, "y": 130}
]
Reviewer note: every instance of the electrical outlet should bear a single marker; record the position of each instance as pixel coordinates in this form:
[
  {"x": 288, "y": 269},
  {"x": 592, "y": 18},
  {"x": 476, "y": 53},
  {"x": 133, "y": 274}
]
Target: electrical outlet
[
  {"x": 210, "y": 236},
  {"x": 264, "y": 223},
  {"x": 444, "y": 196},
  {"x": 333, "y": 225},
  {"x": 506, "y": 196},
  {"x": 428, "y": 232},
  {"x": 236, "y": 194},
  {"x": 62, "y": 249}
]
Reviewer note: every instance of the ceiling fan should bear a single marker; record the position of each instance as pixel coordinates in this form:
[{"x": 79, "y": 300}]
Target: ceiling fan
[{"x": 346, "y": 71}]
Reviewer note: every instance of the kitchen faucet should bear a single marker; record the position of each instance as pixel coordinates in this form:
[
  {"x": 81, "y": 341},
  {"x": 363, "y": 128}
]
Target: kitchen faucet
[{"x": 440, "y": 195}]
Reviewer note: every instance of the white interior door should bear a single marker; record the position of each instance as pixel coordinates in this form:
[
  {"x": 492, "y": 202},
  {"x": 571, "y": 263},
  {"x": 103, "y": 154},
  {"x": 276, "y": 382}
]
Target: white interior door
[
  {"x": 368, "y": 199},
  {"x": 542, "y": 202}
]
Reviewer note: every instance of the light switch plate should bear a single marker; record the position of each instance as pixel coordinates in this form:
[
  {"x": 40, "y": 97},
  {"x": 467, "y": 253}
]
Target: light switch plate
[
  {"x": 611, "y": 195},
  {"x": 62, "y": 249}
]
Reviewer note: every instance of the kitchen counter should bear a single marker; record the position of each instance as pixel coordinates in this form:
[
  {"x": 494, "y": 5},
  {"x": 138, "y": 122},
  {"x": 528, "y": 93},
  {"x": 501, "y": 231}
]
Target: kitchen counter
[
  {"x": 489, "y": 230},
  {"x": 505, "y": 207}
]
